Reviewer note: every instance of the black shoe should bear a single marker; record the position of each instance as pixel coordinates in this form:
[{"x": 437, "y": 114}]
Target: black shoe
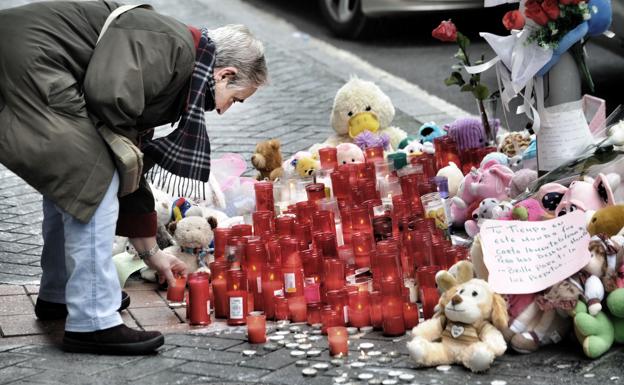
[
  {"x": 118, "y": 340},
  {"x": 49, "y": 311}
]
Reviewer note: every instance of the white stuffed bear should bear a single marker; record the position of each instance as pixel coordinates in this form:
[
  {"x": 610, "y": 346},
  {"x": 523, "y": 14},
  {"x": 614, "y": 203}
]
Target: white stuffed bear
[
  {"x": 193, "y": 235},
  {"x": 349, "y": 153},
  {"x": 360, "y": 106}
]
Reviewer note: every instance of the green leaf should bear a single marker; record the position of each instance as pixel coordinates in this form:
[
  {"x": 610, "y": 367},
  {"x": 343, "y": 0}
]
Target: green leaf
[
  {"x": 467, "y": 88},
  {"x": 463, "y": 41},
  {"x": 455, "y": 78},
  {"x": 460, "y": 56},
  {"x": 481, "y": 92}
]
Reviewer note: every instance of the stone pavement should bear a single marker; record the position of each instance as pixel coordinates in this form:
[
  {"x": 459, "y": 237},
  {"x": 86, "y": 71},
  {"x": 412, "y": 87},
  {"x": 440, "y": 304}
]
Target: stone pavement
[{"x": 295, "y": 108}]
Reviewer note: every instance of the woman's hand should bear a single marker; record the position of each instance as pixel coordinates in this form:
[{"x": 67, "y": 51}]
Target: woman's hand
[{"x": 167, "y": 266}]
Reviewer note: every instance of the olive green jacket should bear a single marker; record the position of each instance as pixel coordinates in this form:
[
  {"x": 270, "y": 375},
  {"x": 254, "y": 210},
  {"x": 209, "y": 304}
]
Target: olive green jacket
[{"x": 55, "y": 85}]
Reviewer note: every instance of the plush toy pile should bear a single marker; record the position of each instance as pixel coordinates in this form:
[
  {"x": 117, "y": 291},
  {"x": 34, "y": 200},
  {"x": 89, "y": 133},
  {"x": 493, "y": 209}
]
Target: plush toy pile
[{"x": 401, "y": 206}]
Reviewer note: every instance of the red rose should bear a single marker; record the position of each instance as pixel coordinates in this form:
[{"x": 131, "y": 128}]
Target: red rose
[
  {"x": 551, "y": 8},
  {"x": 533, "y": 10},
  {"x": 569, "y": 2},
  {"x": 513, "y": 20},
  {"x": 446, "y": 31}
]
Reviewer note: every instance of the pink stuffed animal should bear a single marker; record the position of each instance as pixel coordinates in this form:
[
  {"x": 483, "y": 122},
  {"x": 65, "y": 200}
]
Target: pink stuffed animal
[
  {"x": 584, "y": 195},
  {"x": 493, "y": 183},
  {"x": 464, "y": 197},
  {"x": 349, "y": 153}
]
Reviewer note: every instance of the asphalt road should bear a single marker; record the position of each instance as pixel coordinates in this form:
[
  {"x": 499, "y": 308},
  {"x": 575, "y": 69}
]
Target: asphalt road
[{"x": 404, "y": 47}]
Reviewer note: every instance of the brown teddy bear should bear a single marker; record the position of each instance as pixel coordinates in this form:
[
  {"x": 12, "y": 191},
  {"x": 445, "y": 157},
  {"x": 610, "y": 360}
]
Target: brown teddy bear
[{"x": 268, "y": 160}]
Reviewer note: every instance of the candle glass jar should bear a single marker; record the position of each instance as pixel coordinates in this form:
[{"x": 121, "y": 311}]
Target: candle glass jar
[
  {"x": 338, "y": 340},
  {"x": 281, "y": 308},
  {"x": 314, "y": 313},
  {"x": 237, "y": 297},
  {"x": 328, "y": 157},
  {"x": 221, "y": 235},
  {"x": 219, "y": 287},
  {"x": 315, "y": 192},
  {"x": 359, "y": 309},
  {"x": 297, "y": 308},
  {"x": 264, "y": 196},
  {"x": 176, "y": 293},
  {"x": 374, "y": 154},
  {"x": 199, "y": 299},
  {"x": 410, "y": 315},
  {"x": 263, "y": 223},
  {"x": 272, "y": 286},
  {"x": 256, "y": 328}
]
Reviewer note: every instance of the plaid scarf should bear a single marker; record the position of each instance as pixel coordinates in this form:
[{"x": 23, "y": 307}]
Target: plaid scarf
[{"x": 183, "y": 156}]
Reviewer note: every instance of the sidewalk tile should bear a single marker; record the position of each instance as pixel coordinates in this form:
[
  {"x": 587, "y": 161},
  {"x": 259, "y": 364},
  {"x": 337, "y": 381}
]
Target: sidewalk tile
[
  {"x": 154, "y": 316},
  {"x": 203, "y": 341},
  {"x": 11, "y": 290},
  {"x": 133, "y": 285},
  {"x": 205, "y": 355},
  {"x": 146, "y": 298},
  {"x": 12, "y": 358},
  {"x": 222, "y": 371},
  {"x": 20, "y": 325},
  {"x": 16, "y": 304},
  {"x": 32, "y": 289}
]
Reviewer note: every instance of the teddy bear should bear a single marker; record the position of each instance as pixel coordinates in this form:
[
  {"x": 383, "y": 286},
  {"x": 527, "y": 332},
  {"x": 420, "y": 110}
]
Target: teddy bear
[
  {"x": 192, "y": 235},
  {"x": 302, "y": 164},
  {"x": 464, "y": 197},
  {"x": 429, "y": 131},
  {"x": 521, "y": 181},
  {"x": 267, "y": 159},
  {"x": 597, "y": 333},
  {"x": 361, "y": 106},
  {"x": 465, "y": 328},
  {"x": 349, "y": 153}
]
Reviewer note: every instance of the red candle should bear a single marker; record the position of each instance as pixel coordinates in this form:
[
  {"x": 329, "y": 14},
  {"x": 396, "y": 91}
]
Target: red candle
[
  {"x": 360, "y": 219},
  {"x": 274, "y": 250},
  {"x": 410, "y": 315},
  {"x": 314, "y": 313},
  {"x": 298, "y": 309},
  {"x": 426, "y": 276},
  {"x": 176, "y": 293},
  {"x": 199, "y": 299},
  {"x": 326, "y": 246},
  {"x": 429, "y": 298},
  {"x": 393, "y": 323},
  {"x": 446, "y": 151},
  {"x": 272, "y": 286},
  {"x": 340, "y": 184},
  {"x": 256, "y": 328},
  {"x": 359, "y": 309},
  {"x": 315, "y": 191},
  {"x": 373, "y": 154},
  {"x": 334, "y": 274},
  {"x": 338, "y": 340},
  {"x": 237, "y": 297},
  {"x": 305, "y": 210},
  {"x": 312, "y": 290},
  {"x": 241, "y": 230},
  {"x": 285, "y": 225},
  {"x": 323, "y": 222},
  {"x": 264, "y": 196},
  {"x": 263, "y": 223},
  {"x": 221, "y": 235},
  {"x": 281, "y": 308},
  {"x": 339, "y": 301},
  {"x": 328, "y": 157},
  {"x": 219, "y": 288},
  {"x": 376, "y": 312}
]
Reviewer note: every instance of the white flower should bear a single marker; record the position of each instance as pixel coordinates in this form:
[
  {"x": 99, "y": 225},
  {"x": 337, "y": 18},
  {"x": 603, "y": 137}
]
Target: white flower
[
  {"x": 554, "y": 32},
  {"x": 586, "y": 16}
]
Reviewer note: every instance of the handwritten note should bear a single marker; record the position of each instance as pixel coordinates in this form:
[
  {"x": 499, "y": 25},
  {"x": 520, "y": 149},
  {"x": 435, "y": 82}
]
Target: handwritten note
[
  {"x": 563, "y": 135},
  {"x": 527, "y": 257}
]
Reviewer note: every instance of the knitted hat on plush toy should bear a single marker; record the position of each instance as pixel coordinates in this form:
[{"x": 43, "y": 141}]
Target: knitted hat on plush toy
[{"x": 469, "y": 132}]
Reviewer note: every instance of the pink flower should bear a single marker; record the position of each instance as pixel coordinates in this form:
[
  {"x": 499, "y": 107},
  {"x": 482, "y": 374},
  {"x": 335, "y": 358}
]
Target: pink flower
[
  {"x": 513, "y": 20},
  {"x": 446, "y": 31},
  {"x": 551, "y": 8}
]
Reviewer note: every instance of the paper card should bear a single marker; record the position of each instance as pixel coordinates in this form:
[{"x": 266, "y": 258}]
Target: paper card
[
  {"x": 528, "y": 257},
  {"x": 564, "y": 134},
  {"x": 126, "y": 264}
]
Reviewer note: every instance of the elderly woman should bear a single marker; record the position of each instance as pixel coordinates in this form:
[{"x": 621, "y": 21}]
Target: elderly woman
[{"x": 57, "y": 84}]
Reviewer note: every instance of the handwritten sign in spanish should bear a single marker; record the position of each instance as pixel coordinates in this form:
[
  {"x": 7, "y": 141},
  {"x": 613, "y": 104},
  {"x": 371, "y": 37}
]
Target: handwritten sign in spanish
[{"x": 527, "y": 257}]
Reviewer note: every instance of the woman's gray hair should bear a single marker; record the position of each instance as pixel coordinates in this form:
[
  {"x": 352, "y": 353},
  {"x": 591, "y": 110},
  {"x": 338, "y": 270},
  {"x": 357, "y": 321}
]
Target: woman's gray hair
[{"x": 237, "y": 47}]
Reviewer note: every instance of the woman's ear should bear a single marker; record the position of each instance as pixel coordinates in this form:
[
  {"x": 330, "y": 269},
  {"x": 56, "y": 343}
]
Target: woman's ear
[
  {"x": 223, "y": 73},
  {"x": 500, "y": 317}
]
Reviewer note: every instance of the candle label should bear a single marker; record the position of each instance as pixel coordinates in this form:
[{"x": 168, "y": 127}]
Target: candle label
[
  {"x": 208, "y": 306},
  {"x": 278, "y": 293},
  {"x": 290, "y": 283},
  {"x": 346, "y": 313},
  {"x": 236, "y": 308},
  {"x": 259, "y": 284}
]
